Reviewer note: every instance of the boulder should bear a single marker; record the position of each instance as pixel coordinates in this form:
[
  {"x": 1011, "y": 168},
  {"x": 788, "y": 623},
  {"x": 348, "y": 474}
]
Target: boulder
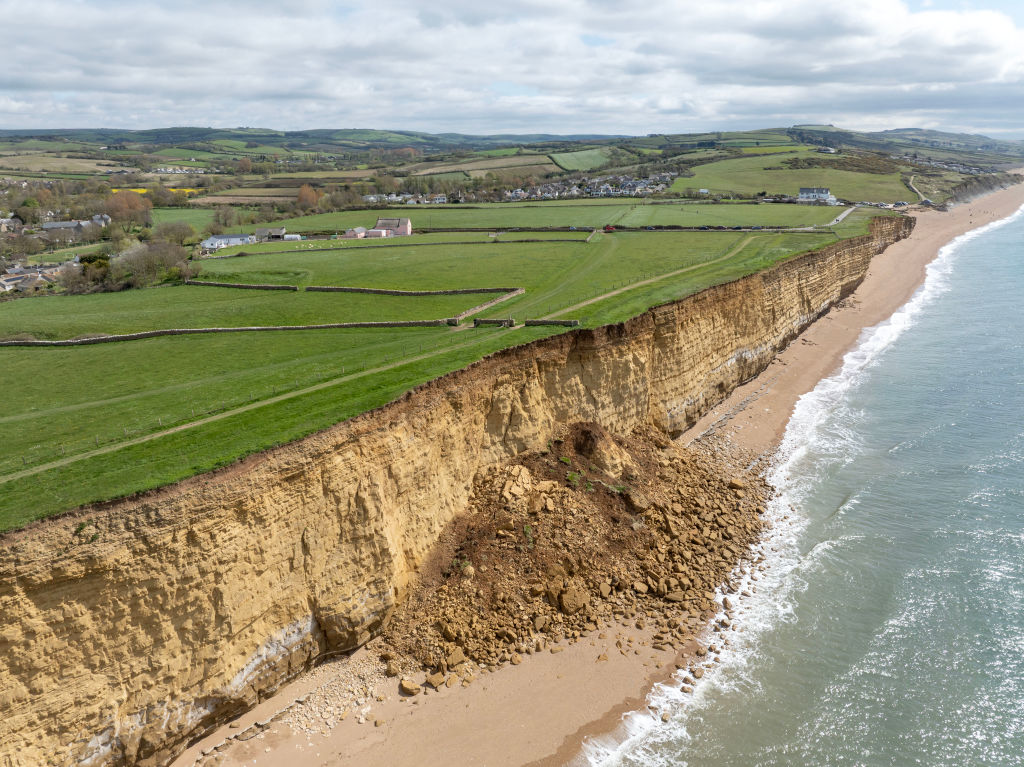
[
  {"x": 435, "y": 680},
  {"x": 409, "y": 687},
  {"x": 573, "y": 599}
]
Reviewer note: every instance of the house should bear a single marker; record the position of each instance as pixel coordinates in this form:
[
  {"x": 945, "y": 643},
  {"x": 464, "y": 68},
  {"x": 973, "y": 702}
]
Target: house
[
  {"x": 398, "y": 227},
  {"x": 64, "y": 226},
  {"x": 355, "y": 233},
  {"x": 9, "y": 225},
  {"x": 270, "y": 234},
  {"x": 218, "y": 241},
  {"x": 818, "y": 194}
]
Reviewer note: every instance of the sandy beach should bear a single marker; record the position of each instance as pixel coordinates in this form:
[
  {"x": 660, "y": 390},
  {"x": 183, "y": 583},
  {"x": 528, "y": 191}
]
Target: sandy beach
[{"x": 540, "y": 712}]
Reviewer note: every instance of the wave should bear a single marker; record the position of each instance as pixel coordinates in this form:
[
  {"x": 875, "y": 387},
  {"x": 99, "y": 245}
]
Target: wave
[{"x": 820, "y": 432}]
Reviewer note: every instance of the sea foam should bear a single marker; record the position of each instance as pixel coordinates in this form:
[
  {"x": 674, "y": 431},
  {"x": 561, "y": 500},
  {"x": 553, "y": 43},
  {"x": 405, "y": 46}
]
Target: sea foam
[{"x": 822, "y": 426}]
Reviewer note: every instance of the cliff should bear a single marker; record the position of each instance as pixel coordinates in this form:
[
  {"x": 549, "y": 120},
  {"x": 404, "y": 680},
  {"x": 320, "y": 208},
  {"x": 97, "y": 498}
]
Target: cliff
[
  {"x": 131, "y": 628},
  {"x": 975, "y": 186}
]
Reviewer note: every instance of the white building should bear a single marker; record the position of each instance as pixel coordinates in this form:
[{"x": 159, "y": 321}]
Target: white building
[
  {"x": 218, "y": 241},
  {"x": 816, "y": 194}
]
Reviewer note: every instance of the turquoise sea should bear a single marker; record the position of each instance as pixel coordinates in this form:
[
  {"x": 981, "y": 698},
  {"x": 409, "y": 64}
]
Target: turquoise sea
[{"x": 888, "y": 626}]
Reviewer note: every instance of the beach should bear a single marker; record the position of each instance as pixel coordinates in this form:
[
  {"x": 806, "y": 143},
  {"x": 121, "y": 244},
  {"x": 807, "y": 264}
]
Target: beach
[{"x": 540, "y": 712}]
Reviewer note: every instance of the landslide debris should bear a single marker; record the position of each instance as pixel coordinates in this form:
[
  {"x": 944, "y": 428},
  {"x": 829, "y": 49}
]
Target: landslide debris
[{"x": 596, "y": 529}]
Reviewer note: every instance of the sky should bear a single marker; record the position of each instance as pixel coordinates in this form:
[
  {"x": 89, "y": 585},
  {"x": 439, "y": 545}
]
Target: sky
[{"x": 515, "y": 66}]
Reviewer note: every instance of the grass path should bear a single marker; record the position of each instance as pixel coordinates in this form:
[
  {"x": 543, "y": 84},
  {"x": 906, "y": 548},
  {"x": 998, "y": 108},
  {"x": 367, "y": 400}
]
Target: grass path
[
  {"x": 229, "y": 413},
  {"x": 742, "y": 244}
]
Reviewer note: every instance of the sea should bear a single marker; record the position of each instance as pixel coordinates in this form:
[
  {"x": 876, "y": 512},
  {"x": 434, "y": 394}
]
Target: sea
[{"x": 887, "y": 626}]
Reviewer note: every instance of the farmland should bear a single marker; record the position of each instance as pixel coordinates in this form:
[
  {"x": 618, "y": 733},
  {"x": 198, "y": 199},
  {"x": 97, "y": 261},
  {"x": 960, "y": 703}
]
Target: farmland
[
  {"x": 586, "y": 159},
  {"x": 197, "y": 218},
  {"x": 114, "y": 418},
  {"x": 582, "y": 214},
  {"x": 99, "y": 423},
  {"x": 52, "y": 162},
  {"x": 750, "y": 175}
]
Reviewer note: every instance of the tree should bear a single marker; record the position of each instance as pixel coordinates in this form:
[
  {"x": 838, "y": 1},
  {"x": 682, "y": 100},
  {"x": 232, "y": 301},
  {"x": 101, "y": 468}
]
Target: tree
[
  {"x": 307, "y": 197},
  {"x": 28, "y": 211},
  {"x": 129, "y": 209},
  {"x": 174, "y": 231},
  {"x": 160, "y": 196},
  {"x": 245, "y": 165}
]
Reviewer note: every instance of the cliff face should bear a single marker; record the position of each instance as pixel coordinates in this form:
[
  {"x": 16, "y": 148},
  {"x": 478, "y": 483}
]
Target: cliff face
[{"x": 130, "y": 629}]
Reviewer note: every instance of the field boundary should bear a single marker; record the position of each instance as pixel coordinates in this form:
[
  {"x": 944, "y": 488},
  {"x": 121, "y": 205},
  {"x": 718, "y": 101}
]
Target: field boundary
[
  {"x": 244, "y": 286},
  {"x": 388, "y": 292},
  {"x": 200, "y": 331}
]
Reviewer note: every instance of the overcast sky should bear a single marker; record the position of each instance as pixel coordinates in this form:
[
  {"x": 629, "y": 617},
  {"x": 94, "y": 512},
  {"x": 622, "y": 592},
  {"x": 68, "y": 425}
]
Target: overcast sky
[{"x": 514, "y": 66}]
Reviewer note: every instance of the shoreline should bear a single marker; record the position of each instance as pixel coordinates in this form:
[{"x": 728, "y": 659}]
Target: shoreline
[{"x": 542, "y": 717}]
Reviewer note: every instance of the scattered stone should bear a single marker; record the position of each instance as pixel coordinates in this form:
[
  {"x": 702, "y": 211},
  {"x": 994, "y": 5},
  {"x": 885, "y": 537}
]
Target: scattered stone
[{"x": 409, "y": 687}]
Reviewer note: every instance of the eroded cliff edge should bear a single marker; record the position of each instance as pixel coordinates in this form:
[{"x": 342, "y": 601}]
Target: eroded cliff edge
[{"x": 127, "y": 630}]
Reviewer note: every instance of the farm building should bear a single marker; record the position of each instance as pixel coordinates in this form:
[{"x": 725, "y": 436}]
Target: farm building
[
  {"x": 270, "y": 234},
  {"x": 355, "y": 233},
  {"x": 218, "y": 241},
  {"x": 816, "y": 194},
  {"x": 398, "y": 227}
]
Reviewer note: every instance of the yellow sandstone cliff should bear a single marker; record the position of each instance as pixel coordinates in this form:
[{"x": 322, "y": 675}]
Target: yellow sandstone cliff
[{"x": 184, "y": 606}]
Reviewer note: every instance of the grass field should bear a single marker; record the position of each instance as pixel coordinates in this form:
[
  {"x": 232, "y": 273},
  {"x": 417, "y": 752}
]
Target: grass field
[
  {"x": 197, "y": 218},
  {"x": 436, "y": 239},
  {"x": 51, "y": 162},
  {"x": 580, "y": 214},
  {"x": 485, "y": 164},
  {"x": 586, "y": 159},
  {"x": 748, "y": 175},
  {"x": 729, "y": 215},
  {"x": 262, "y": 389}
]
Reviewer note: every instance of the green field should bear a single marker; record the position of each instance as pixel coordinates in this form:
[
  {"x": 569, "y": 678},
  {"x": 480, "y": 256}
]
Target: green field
[
  {"x": 197, "y": 218},
  {"x": 748, "y": 175},
  {"x": 580, "y": 214},
  {"x": 186, "y": 306},
  {"x": 437, "y": 239},
  {"x": 262, "y": 389},
  {"x": 729, "y": 215},
  {"x": 586, "y": 159}
]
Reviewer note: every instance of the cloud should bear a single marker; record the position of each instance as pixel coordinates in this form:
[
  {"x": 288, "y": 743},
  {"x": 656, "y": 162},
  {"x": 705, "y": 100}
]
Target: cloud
[{"x": 563, "y": 66}]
